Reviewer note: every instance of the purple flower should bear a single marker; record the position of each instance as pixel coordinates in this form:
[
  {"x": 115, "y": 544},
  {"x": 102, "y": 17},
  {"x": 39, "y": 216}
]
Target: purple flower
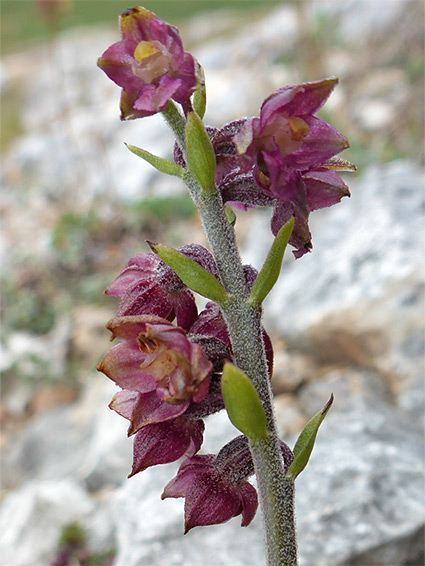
[
  {"x": 158, "y": 368},
  {"x": 291, "y": 153},
  {"x": 148, "y": 286},
  {"x": 149, "y": 63},
  {"x": 215, "y": 488}
]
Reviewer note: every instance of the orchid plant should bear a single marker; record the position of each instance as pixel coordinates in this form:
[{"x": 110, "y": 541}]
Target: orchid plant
[{"x": 175, "y": 366}]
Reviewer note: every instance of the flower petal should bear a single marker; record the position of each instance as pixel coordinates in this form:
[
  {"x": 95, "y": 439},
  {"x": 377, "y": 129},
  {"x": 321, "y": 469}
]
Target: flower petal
[
  {"x": 149, "y": 409},
  {"x": 117, "y": 62},
  {"x": 322, "y": 143},
  {"x": 166, "y": 442},
  {"x": 209, "y": 503},
  {"x": 154, "y": 98},
  {"x": 122, "y": 365},
  {"x": 324, "y": 188},
  {"x": 248, "y": 495}
]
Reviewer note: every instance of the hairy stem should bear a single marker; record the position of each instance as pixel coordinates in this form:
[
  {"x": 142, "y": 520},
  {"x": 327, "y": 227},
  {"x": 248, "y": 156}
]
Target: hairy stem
[
  {"x": 245, "y": 329},
  {"x": 244, "y": 323}
]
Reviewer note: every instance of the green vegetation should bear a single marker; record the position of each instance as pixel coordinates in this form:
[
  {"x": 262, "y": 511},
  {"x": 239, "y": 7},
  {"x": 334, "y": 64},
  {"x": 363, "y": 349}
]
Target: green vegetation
[
  {"x": 74, "y": 548},
  {"x": 22, "y": 23},
  {"x": 162, "y": 209},
  {"x": 73, "y": 534},
  {"x": 26, "y": 306}
]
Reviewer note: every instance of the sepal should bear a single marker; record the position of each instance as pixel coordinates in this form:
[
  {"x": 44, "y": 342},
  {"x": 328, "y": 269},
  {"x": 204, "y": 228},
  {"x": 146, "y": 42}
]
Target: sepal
[
  {"x": 159, "y": 163},
  {"x": 242, "y": 402},
  {"x": 271, "y": 268},
  {"x": 305, "y": 443},
  {"x": 191, "y": 273}
]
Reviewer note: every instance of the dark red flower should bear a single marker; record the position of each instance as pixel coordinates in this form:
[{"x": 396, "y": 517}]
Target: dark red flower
[{"x": 215, "y": 487}]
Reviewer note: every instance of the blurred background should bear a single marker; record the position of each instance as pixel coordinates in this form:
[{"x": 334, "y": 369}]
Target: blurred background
[{"x": 76, "y": 205}]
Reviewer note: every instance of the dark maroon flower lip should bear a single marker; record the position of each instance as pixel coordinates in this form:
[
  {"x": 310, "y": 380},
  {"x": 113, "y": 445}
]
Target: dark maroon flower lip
[{"x": 150, "y": 65}]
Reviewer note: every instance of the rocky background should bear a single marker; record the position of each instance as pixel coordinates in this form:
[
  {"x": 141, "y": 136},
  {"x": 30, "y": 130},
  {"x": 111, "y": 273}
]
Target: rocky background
[{"x": 348, "y": 318}]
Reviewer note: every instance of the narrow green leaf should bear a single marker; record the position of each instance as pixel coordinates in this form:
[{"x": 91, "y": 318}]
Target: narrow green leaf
[
  {"x": 270, "y": 271},
  {"x": 305, "y": 443},
  {"x": 191, "y": 273},
  {"x": 200, "y": 152},
  {"x": 159, "y": 163},
  {"x": 242, "y": 402}
]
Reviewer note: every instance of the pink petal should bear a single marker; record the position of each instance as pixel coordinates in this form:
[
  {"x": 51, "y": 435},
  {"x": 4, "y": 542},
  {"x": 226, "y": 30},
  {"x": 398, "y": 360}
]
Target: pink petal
[
  {"x": 154, "y": 98},
  {"x": 149, "y": 409},
  {"x": 124, "y": 402},
  {"x": 189, "y": 80},
  {"x": 324, "y": 188},
  {"x": 166, "y": 442},
  {"x": 129, "y": 327},
  {"x": 117, "y": 63},
  {"x": 145, "y": 298},
  {"x": 322, "y": 142},
  {"x": 310, "y": 97},
  {"x": 122, "y": 365},
  {"x": 129, "y": 276}
]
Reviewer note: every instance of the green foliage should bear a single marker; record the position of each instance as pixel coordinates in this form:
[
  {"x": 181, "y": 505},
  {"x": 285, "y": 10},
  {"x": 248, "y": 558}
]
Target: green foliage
[
  {"x": 25, "y": 308},
  {"x": 73, "y": 534},
  {"x": 271, "y": 269},
  {"x": 161, "y": 164},
  {"x": 73, "y": 235},
  {"x": 242, "y": 402},
  {"x": 73, "y": 540},
  {"x": 162, "y": 209},
  {"x": 200, "y": 98},
  {"x": 200, "y": 152},
  {"x": 305, "y": 443},
  {"x": 22, "y": 23},
  {"x": 191, "y": 273}
]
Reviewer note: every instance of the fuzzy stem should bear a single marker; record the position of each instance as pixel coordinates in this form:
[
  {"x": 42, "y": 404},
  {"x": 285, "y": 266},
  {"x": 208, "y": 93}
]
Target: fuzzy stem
[{"x": 244, "y": 322}]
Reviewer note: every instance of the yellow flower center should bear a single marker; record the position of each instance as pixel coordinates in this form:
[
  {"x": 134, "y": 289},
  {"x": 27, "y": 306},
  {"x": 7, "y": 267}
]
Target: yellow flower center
[
  {"x": 287, "y": 132},
  {"x": 298, "y": 127},
  {"x": 152, "y": 60},
  {"x": 145, "y": 49}
]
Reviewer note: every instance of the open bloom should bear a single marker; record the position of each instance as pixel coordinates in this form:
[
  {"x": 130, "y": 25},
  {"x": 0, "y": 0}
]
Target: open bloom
[
  {"x": 158, "y": 368},
  {"x": 161, "y": 374},
  {"x": 292, "y": 156},
  {"x": 149, "y": 63}
]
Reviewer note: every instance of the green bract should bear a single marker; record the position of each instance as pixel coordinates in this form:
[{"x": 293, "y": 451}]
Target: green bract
[
  {"x": 200, "y": 152},
  {"x": 159, "y": 163},
  {"x": 304, "y": 445},
  {"x": 270, "y": 271},
  {"x": 191, "y": 273},
  {"x": 242, "y": 402}
]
